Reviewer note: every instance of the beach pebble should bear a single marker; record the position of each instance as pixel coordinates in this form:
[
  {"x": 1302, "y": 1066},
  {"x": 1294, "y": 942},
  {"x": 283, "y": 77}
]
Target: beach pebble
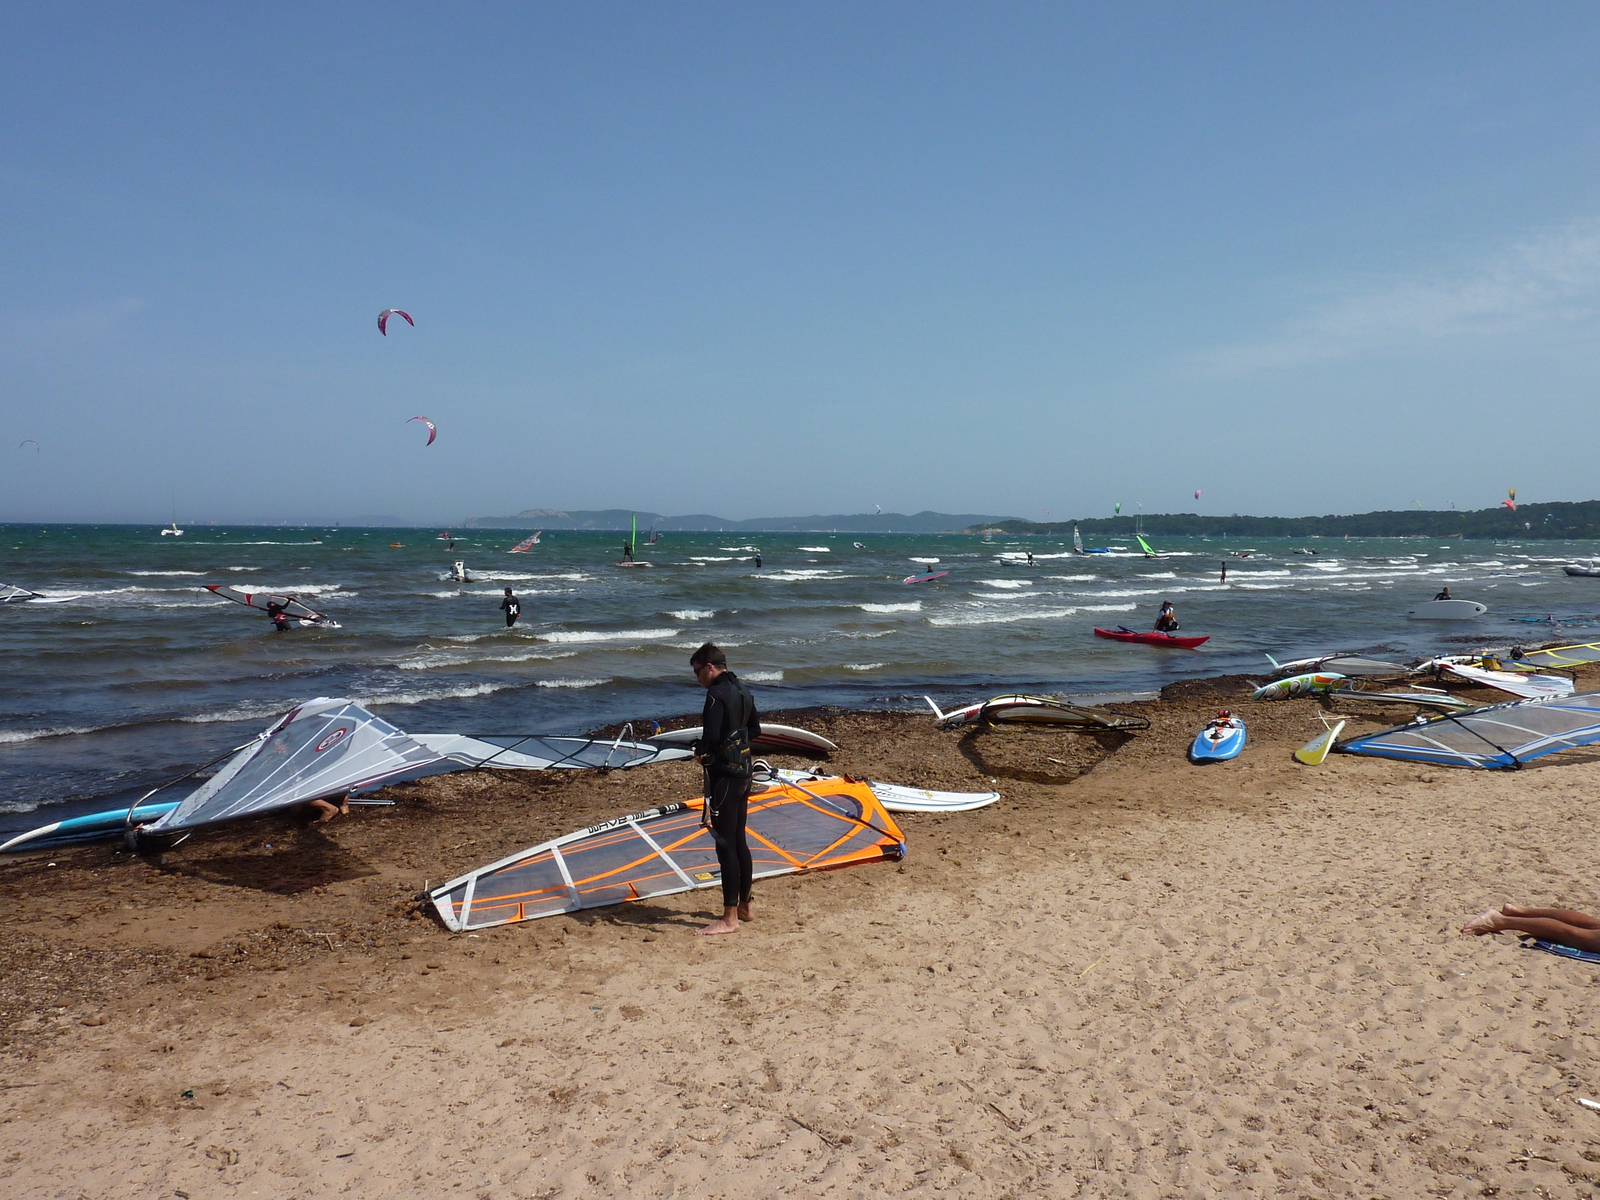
[
  {"x": 93, "y": 1021},
  {"x": 358, "y": 1022}
]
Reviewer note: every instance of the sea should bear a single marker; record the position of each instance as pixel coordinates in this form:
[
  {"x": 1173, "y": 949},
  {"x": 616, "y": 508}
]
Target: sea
[{"x": 127, "y": 672}]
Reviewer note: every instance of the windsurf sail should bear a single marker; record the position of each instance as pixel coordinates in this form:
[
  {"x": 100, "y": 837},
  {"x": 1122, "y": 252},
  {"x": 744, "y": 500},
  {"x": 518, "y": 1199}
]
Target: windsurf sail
[
  {"x": 1557, "y": 656},
  {"x": 526, "y": 543},
  {"x": 1037, "y": 712},
  {"x": 1497, "y": 737},
  {"x": 1421, "y": 699},
  {"x": 15, "y": 595},
  {"x": 1077, "y": 541},
  {"x": 531, "y": 752},
  {"x": 325, "y": 747},
  {"x": 1517, "y": 683},
  {"x": 1344, "y": 664},
  {"x": 298, "y": 609},
  {"x": 662, "y": 851},
  {"x": 1144, "y": 545}
]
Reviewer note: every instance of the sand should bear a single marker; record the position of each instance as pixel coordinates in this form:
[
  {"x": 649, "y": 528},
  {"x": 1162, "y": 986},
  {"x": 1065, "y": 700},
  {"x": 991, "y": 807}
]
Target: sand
[{"x": 1132, "y": 977}]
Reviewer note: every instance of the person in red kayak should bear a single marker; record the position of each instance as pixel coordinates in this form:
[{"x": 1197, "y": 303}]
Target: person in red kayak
[{"x": 1167, "y": 618}]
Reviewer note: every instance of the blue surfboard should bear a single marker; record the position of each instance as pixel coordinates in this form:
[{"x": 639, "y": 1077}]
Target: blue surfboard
[
  {"x": 1222, "y": 738},
  {"x": 86, "y": 828}
]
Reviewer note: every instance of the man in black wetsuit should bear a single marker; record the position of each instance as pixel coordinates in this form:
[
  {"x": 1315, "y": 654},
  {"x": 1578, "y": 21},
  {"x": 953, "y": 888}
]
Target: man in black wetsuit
[
  {"x": 512, "y": 607},
  {"x": 729, "y": 724},
  {"x": 280, "y": 620}
]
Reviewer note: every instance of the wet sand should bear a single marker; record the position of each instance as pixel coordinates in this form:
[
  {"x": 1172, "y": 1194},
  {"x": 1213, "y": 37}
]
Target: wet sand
[{"x": 1131, "y": 977}]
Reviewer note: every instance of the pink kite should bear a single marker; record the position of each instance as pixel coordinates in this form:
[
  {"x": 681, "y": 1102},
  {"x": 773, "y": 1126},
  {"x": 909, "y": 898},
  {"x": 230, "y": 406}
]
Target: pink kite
[
  {"x": 432, "y": 429},
  {"x": 383, "y": 319}
]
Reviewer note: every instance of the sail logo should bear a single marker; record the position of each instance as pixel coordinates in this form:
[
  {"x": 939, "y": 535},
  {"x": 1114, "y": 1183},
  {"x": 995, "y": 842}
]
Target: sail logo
[{"x": 334, "y": 738}]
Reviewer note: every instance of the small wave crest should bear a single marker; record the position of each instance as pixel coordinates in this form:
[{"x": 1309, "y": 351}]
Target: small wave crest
[
  {"x": 619, "y": 635},
  {"x": 762, "y": 676},
  {"x": 909, "y": 606},
  {"x": 693, "y": 614}
]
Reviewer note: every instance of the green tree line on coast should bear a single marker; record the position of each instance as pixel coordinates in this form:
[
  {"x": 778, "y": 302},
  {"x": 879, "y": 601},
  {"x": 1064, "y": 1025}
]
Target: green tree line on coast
[{"x": 1556, "y": 521}]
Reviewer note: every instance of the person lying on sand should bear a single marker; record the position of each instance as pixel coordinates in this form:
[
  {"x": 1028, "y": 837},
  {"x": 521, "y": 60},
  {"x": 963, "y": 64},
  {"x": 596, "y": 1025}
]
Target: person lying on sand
[{"x": 1559, "y": 925}]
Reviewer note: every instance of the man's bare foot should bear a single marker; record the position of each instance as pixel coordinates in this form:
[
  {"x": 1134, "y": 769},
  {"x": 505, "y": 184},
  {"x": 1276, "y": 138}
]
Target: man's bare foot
[
  {"x": 744, "y": 912},
  {"x": 720, "y": 926},
  {"x": 1489, "y": 921}
]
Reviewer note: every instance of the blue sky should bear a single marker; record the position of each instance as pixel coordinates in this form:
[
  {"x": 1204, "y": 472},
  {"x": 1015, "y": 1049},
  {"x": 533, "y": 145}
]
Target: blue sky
[{"x": 781, "y": 259}]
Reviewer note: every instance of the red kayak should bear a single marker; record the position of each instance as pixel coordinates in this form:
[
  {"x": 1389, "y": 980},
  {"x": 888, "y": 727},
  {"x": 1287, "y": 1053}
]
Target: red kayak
[{"x": 1151, "y": 639}]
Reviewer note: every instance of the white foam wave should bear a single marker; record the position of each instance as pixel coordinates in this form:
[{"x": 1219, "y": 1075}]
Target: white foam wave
[
  {"x": 618, "y": 635},
  {"x": 430, "y": 659},
  {"x": 693, "y": 614},
  {"x": 572, "y": 683},
  {"x": 1073, "y": 578},
  {"x": 763, "y": 676},
  {"x": 798, "y": 575},
  {"x": 166, "y": 572},
  {"x": 711, "y": 558},
  {"x": 456, "y": 693},
  {"x": 929, "y": 561},
  {"x": 816, "y": 549},
  {"x": 909, "y": 606},
  {"x": 1038, "y": 614},
  {"x": 11, "y": 736},
  {"x": 863, "y": 666},
  {"x": 1007, "y": 583}
]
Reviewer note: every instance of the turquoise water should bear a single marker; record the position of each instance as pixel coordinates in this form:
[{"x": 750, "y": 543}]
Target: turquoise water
[{"x": 128, "y": 671}]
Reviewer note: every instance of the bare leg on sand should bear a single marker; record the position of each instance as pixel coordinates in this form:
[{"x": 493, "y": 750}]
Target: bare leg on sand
[
  {"x": 728, "y": 924},
  {"x": 1562, "y": 926},
  {"x": 743, "y": 911},
  {"x": 327, "y": 810}
]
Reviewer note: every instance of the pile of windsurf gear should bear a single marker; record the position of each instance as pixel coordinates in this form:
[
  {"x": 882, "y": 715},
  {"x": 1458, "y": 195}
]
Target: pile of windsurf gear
[
  {"x": 1037, "y": 712},
  {"x": 1499, "y": 736},
  {"x": 792, "y": 828},
  {"x": 10, "y": 594},
  {"x": 292, "y": 608}
]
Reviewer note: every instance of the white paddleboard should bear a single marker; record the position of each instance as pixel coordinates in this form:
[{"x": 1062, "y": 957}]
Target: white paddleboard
[
  {"x": 774, "y": 739},
  {"x": 1448, "y": 610}
]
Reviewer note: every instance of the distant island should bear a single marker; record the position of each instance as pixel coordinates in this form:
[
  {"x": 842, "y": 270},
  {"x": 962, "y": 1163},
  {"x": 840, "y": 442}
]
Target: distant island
[
  {"x": 1556, "y": 521},
  {"x": 622, "y": 518}
]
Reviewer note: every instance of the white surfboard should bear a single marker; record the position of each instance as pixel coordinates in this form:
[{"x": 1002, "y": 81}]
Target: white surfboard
[
  {"x": 1448, "y": 610},
  {"x": 774, "y": 739},
  {"x": 897, "y": 797}
]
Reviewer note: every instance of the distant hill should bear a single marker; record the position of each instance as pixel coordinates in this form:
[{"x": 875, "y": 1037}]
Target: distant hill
[
  {"x": 1559, "y": 520},
  {"x": 619, "y": 519}
]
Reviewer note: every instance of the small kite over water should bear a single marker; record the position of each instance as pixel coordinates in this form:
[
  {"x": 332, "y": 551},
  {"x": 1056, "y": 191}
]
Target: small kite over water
[
  {"x": 1512, "y": 502},
  {"x": 28, "y": 442},
  {"x": 383, "y": 319},
  {"x": 1197, "y": 492},
  {"x": 433, "y": 430}
]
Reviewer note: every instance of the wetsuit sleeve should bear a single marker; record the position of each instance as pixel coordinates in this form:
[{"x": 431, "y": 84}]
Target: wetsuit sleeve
[
  {"x": 754, "y": 723},
  {"x": 714, "y": 724}
]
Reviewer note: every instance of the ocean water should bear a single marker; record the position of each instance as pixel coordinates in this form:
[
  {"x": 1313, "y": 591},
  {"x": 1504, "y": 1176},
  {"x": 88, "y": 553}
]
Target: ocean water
[{"x": 128, "y": 671}]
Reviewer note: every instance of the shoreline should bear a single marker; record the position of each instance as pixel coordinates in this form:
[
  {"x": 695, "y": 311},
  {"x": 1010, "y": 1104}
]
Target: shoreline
[{"x": 1130, "y": 977}]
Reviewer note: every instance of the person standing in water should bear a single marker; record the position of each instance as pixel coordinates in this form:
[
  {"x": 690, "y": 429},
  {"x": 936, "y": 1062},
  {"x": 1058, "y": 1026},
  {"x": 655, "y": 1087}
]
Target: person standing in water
[
  {"x": 512, "y": 607},
  {"x": 758, "y": 560},
  {"x": 729, "y": 724},
  {"x": 1167, "y": 618},
  {"x": 280, "y": 619},
  {"x": 1443, "y": 595}
]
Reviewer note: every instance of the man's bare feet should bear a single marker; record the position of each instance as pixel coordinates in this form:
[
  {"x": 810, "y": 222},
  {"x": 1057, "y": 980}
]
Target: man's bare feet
[
  {"x": 744, "y": 912},
  {"x": 720, "y": 926},
  {"x": 1489, "y": 921}
]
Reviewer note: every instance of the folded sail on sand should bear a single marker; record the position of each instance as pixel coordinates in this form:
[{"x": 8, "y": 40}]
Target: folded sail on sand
[{"x": 792, "y": 828}]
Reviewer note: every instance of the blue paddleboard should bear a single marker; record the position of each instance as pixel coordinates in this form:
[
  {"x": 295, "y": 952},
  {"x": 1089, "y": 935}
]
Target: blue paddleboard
[
  {"x": 85, "y": 828},
  {"x": 1221, "y": 738}
]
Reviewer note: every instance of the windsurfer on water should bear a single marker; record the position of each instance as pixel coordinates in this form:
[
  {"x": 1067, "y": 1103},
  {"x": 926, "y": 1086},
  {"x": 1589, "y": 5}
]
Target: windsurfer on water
[
  {"x": 1167, "y": 618},
  {"x": 627, "y": 551},
  {"x": 729, "y": 723},
  {"x": 280, "y": 619}
]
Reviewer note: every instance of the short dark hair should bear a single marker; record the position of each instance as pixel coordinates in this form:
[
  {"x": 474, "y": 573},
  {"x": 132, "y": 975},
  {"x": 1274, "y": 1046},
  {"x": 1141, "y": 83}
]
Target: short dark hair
[
  {"x": 709, "y": 653},
  {"x": 508, "y": 591}
]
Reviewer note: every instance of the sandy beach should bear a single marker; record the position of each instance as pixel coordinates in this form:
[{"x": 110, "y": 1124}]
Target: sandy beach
[{"x": 1131, "y": 977}]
